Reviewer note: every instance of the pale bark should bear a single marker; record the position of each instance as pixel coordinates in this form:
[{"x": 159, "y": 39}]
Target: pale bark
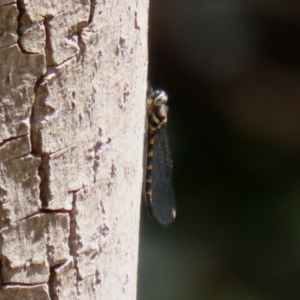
[{"x": 72, "y": 111}]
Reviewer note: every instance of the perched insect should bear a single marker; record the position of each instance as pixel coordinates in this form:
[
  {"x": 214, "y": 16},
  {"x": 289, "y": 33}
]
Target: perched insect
[{"x": 159, "y": 193}]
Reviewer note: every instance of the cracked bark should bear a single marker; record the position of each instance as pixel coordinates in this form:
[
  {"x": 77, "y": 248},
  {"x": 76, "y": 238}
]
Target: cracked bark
[{"x": 72, "y": 114}]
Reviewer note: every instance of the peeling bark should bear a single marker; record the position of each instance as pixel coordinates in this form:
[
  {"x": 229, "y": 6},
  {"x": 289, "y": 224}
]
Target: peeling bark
[{"x": 72, "y": 111}]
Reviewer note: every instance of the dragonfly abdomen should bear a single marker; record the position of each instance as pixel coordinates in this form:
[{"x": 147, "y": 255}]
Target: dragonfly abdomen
[{"x": 148, "y": 186}]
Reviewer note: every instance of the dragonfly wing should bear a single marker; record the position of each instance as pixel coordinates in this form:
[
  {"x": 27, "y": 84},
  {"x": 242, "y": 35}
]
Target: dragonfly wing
[{"x": 163, "y": 197}]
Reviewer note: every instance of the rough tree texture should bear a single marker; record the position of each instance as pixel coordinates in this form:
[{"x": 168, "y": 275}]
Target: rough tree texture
[{"x": 72, "y": 111}]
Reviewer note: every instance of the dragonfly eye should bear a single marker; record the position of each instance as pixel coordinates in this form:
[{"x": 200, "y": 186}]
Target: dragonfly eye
[{"x": 159, "y": 97}]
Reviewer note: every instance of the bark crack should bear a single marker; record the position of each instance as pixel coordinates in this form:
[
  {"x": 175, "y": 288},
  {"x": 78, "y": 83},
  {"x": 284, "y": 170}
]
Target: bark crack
[
  {"x": 48, "y": 47},
  {"x": 21, "y": 9},
  {"x": 8, "y": 4},
  {"x": 72, "y": 239},
  {"x": 29, "y": 216},
  {"x": 16, "y": 284},
  {"x": 92, "y": 11},
  {"x": 12, "y": 138},
  {"x": 62, "y": 210},
  {"x": 81, "y": 43},
  {"x": 52, "y": 283}
]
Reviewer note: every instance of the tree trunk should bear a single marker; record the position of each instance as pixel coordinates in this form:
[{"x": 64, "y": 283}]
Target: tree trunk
[{"x": 72, "y": 111}]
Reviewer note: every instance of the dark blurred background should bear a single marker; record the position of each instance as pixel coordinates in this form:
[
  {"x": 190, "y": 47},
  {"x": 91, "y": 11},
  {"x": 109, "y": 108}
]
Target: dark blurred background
[{"x": 232, "y": 72}]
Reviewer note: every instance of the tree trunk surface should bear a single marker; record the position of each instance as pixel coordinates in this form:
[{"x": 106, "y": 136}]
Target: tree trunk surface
[{"x": 72, "y": 112}]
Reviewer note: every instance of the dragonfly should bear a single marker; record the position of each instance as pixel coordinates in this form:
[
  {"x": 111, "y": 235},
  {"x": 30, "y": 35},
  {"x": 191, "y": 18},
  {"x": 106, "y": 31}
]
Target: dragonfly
[{"x": 159, "y": 193}]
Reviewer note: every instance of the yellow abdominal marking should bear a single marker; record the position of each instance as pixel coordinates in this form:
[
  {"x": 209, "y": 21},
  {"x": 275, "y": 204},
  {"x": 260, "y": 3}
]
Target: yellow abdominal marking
[
  {"x": 155, "y": 119},
  {"x": 152, "y": 128},
  {"x": 150, "y": 154},
  {"x": 151, "y": 141}
]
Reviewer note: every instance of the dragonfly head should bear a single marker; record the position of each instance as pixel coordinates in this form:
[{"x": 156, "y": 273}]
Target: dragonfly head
[{"x": 159, "y": 97}]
